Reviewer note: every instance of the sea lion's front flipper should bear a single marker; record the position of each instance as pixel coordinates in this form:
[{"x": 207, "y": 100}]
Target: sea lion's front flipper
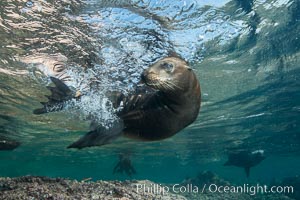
[
  {"x": 59, "y": 95},
  {"x": 99, "y": 136},
  {"x": 247, "y": 170}
]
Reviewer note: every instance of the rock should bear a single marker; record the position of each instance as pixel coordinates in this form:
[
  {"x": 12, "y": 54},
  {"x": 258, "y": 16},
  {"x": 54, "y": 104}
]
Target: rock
[
  {"x": 30, "y": 187},
  {"x": 205, "y": 177}
]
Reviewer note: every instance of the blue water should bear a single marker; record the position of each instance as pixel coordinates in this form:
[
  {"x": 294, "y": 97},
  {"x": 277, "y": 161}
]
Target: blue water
[{"x": 246, "y": 56}]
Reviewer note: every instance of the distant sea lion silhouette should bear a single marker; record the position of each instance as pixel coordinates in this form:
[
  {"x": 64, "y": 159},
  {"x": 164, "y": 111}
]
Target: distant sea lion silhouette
[
  {"x": 8, "y": 144},
  {"x": 245, "y": 159},
  {"x": 168, "y": 102},
  {"x": 124, "y": 165}
]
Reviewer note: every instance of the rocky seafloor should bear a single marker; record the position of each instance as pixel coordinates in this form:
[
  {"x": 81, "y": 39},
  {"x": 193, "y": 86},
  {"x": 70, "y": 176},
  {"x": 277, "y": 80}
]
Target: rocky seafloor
[
  {"x": 32, "y": 187},
  {"x": 29, "y": 187}
]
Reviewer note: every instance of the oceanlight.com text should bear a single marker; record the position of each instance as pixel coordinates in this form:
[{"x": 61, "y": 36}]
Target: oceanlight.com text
[
  {"x": 250, "y": 189},
  {"x": 213, "y": 188}
]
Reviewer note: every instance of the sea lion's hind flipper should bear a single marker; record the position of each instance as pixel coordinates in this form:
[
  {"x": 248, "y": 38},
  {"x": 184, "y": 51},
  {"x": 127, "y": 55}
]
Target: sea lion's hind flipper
[
  {"x": 98, "y": 137},
  {"x": 59, "y": 95}
]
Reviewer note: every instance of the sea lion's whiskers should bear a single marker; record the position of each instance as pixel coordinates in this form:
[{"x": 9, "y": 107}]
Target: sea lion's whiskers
[
  {"x": 158, "y": 83},
  {"x": 171, "y": 85},
  {"x": 176, "y": 85},
  {"x": 164, "y": 86},
  {"x": 168, "y": 85},
  {"x": 153, "y": 84}
]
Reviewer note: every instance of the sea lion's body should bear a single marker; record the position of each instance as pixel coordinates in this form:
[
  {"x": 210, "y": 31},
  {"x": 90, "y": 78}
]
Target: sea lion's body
[
  {"x": 245, "y": 159},
  {"x": 124, "y": 165},
  {"x": 161, "y": 113},
  {"x": 168, "y": 102}
]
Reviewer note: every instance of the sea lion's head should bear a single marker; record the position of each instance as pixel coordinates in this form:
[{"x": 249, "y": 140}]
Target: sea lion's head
[{"x": 170, "y": 74}]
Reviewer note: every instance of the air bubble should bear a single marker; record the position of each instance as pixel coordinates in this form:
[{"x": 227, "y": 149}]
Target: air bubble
[{"x": 29, "y": 4}]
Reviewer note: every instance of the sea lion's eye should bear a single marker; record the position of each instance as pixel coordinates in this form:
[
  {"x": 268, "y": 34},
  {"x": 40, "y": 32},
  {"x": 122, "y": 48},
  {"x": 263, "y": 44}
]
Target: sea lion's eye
[{"x": 167, "y": 66}]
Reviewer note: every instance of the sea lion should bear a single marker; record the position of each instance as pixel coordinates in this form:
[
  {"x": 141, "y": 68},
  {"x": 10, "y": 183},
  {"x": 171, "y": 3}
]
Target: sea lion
[
  {"x": 8, "y": 144},
  {"x": 168, "y": 102},
  {"x": 124, "y": 165},
  {"x": 245, "y": 159}
]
